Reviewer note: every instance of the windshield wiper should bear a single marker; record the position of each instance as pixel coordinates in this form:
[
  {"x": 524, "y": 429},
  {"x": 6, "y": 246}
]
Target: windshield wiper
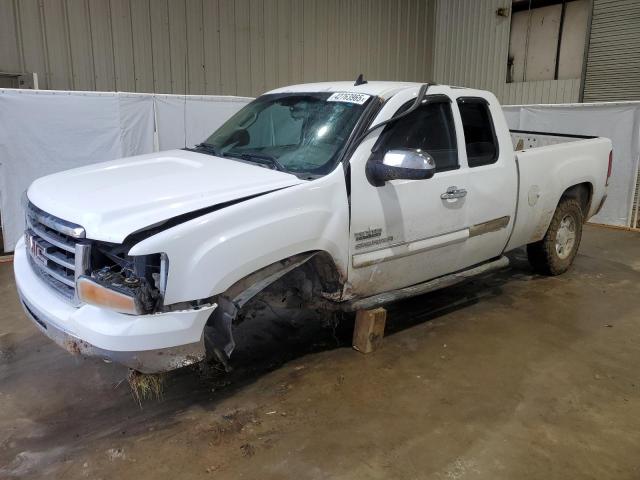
[
  {"x": 261, "y": 158},
  {"x": 255, "y": 157},
  {"x": 207, "y": 147}
]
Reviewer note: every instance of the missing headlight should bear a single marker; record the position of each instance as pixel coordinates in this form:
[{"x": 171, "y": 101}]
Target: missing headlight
[
  {"x": 124, "y": 282},
  {"x": 129, "y": 284}
]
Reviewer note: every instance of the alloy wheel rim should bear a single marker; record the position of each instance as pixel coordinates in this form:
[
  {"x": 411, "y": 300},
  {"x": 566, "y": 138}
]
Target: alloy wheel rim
[{"x": 566, "y": 237}]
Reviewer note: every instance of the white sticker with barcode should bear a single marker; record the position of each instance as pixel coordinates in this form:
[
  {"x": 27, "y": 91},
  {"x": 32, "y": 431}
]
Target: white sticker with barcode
[{"x": 348, "y": 97}]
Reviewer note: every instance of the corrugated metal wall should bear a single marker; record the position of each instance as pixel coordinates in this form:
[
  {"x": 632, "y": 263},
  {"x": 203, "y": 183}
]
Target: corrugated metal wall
[
  {"x": 245, "y": 47},
  {"x": 471, "y": 49},
  {"x": 236, "y": 47},
  {"x": 613, "y": 61}
]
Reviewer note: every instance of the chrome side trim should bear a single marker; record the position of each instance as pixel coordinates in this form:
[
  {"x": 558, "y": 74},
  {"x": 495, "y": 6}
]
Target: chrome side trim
[
  {"x": 490, "y": 226},
  {"x": 404, "y": 249}
]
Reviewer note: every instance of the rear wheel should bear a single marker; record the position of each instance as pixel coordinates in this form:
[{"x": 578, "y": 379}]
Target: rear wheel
[{"x": 554, "y": 254}]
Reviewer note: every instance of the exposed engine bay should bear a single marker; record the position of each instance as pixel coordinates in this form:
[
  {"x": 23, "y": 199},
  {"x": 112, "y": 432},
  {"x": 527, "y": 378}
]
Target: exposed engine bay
[{"x": 135, "y": 283}]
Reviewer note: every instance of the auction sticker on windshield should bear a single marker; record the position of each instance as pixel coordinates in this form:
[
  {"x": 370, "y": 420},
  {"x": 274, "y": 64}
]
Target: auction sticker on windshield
[{"x": 348, "y": 97}]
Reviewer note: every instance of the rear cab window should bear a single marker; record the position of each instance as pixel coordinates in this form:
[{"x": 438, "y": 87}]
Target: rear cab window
[{"x": 479, "y": 132}]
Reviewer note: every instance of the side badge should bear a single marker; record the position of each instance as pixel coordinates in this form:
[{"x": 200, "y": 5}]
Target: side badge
[
  {"x": 369, "y": 233},
  {"x": 370, "y": 238}
]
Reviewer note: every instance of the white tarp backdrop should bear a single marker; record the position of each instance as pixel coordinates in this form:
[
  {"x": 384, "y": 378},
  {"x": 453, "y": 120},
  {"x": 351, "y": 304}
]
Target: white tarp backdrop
[
  {"x": 43, "y": 132},
  {"x": 619, "y": 121},
  {"x": 202, "y": 114}
]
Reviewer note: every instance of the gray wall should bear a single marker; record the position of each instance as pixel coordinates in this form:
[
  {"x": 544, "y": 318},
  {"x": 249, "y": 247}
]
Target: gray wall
[
  {"x": 245, "y": 47},
  {"x": 231, "y": 47},
  {"x": 471, "y": 49}
]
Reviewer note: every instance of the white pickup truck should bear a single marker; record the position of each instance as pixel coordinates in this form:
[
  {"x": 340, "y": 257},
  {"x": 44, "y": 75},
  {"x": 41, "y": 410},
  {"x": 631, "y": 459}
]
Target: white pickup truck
[{"x": 354, "y": 194}]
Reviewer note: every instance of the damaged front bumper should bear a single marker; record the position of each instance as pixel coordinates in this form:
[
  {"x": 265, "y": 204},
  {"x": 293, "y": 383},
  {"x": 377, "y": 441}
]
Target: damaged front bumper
[{"x": 147, "y": 343}]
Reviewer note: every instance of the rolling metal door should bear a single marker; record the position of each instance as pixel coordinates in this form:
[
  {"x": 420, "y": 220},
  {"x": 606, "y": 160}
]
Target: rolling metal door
[
  {"x": 612, "y": 70},
  {"x": 613, "y": 61}
]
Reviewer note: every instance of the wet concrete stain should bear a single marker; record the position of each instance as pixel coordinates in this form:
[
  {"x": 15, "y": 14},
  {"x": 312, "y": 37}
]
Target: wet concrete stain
[{"x": 512, "y": 375}]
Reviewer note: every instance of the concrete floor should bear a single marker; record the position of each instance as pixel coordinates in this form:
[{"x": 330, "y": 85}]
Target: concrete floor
[{"x": 513, "y": 376}]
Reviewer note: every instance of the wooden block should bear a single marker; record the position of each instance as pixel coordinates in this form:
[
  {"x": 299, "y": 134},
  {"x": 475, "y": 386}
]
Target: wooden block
[{"x": 369, "y": 329}]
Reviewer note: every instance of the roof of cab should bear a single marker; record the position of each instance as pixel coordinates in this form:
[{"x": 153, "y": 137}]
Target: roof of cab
[{"x": 381, "y": 89}]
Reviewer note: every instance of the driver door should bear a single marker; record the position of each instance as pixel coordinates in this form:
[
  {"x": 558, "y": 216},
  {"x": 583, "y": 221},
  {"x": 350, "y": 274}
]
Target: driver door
[{"x": 409, "y": 231}]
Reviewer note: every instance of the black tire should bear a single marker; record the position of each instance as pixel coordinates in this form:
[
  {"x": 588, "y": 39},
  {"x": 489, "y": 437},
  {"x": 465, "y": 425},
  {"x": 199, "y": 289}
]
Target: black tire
[{"x": 554, "y": 254}]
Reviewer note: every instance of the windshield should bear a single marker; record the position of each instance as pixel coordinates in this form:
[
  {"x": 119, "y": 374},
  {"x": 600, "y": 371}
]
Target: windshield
[{"x": 301, "y": 133}]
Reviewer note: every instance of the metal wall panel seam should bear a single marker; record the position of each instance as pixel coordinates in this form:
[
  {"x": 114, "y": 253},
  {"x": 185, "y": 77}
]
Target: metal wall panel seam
[{"x": 18, "y": 29}]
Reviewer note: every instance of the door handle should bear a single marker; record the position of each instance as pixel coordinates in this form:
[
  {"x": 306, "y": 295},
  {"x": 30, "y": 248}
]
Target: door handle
[{"x": 453, "y": 192}]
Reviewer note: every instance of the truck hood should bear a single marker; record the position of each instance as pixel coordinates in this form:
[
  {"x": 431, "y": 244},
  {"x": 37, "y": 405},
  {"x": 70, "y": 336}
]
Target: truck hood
[{"x": 114, "y": 199}]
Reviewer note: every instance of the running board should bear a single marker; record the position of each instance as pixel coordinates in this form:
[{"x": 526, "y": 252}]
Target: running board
[{"x": 435, "y": 284}]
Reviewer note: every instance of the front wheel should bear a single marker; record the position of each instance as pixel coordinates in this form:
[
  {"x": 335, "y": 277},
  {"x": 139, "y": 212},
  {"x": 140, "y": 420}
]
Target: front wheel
[{"x": 554, "y": 254}]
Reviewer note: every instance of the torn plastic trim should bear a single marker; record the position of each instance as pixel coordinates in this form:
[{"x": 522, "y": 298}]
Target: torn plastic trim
[
  {"x": 248, "y": 287},
  {"x": 219, "y": 339},
  {"x": 235, "y": 297},
  {"x": 189, "y": 305}
]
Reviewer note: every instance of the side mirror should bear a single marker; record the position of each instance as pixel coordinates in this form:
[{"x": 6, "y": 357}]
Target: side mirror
[{"x": 402, "y": 165}]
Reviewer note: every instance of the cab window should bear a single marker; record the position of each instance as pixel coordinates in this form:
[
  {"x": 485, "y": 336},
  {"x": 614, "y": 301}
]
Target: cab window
[
  {"x": 429, "y": 128},
  {"x": 479, "y": 133}
]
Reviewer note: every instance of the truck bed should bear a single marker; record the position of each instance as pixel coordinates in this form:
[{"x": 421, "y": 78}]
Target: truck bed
[
  {"x": 525, "y": 139},
  {"x": 548, "y": 164}
]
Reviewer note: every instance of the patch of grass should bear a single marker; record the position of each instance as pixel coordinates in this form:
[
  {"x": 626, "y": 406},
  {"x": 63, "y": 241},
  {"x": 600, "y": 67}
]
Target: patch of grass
[{"x": 145, "y": 386}]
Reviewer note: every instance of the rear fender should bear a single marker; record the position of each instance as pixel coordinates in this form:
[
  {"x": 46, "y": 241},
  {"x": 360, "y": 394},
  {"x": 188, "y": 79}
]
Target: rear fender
[{"x": 546, "y": 174}]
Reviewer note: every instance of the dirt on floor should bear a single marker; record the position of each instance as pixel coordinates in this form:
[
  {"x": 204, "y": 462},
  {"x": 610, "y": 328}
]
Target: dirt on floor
[{"x": 512, "y": 376}]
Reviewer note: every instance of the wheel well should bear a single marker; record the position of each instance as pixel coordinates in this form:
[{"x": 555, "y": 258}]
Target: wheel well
[
  {"x": 316, "y": 268},
  {"x": 305, "y": 278},
  {"x": 583, "y": 193},
  {"x": 327, "y": 271},
  {"x": 320, "y": 274}
]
